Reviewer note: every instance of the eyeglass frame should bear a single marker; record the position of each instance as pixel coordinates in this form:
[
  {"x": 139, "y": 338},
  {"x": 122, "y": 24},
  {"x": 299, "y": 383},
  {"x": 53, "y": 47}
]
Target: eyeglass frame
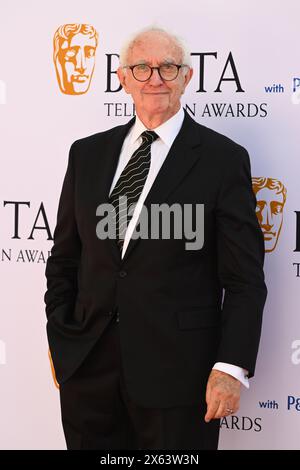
[{"x": 131, "y": 67}]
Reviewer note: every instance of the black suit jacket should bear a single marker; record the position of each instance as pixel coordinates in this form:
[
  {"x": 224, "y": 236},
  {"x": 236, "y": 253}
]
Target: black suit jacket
[{"x": 174, "y": 321}]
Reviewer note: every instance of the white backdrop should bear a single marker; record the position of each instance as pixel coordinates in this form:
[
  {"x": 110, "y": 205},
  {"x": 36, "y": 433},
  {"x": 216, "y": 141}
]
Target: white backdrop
[{"x": 38, "y": 123}]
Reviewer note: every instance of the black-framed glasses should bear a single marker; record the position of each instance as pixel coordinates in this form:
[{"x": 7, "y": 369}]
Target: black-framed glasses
[{"x": 142, "y": 72}]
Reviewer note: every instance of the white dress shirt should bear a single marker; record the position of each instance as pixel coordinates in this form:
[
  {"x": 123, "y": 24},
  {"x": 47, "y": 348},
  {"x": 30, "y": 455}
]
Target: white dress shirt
[{"x": 167, "y": 133}]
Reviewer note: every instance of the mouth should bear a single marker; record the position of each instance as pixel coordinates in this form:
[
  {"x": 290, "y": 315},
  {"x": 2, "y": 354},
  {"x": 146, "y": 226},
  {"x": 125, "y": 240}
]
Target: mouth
[
  {"x": 79, "y": 78},
  {"x": 268, "y": 235}
]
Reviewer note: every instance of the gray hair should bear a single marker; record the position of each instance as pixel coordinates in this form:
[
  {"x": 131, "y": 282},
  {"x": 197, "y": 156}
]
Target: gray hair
[{"x": 180, "y": 42}]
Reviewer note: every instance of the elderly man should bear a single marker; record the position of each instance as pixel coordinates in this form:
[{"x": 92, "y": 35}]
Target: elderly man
[{"x": 148, "y": 352}]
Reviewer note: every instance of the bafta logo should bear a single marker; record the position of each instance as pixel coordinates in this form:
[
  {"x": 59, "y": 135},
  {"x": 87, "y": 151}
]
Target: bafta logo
[
  {"x": 271, "y": 196},
  {"x": 74, "y": 57}
]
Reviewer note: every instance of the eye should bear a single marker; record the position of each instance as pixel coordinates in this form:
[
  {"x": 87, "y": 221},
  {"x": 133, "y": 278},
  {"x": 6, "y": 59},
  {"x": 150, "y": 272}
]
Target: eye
[
  {"x": 141, "y": 67},
  {"x": 167, "y": 67},
  {"x": 277, "y": 209},
  {"x": 89, "y": 52},
  {"x": 70, "y": 54},
  {"x": 260, "y": 205}
]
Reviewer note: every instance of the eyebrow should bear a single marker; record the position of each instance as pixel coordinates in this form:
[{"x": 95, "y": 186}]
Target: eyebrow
[{"x": 147, "y": 62}]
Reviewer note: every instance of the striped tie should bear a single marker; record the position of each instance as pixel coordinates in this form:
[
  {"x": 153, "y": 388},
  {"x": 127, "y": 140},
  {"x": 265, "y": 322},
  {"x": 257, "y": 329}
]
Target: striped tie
[{"x": 130, "y": 184}]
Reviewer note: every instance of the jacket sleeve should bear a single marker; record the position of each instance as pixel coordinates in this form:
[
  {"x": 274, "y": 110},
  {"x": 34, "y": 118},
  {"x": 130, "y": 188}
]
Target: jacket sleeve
[
  {"x": 240, "y": 247},
  {"x": 62, "y": 264}
]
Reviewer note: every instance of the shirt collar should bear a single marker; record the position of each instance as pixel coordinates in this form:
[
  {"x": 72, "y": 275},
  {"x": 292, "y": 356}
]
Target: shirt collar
[{"x": 166, "y": 131}]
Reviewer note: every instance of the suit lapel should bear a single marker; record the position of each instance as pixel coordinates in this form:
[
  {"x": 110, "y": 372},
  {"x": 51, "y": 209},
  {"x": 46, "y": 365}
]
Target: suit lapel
[
  {"x": 108, "y": 164},
  {"x": 104, "y": 171},
  {"x": 179, "y": 161}
]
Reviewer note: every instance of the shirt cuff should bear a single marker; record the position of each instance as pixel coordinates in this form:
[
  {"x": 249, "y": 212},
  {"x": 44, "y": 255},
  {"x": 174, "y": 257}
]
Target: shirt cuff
[{"x": 237, "y": 372}]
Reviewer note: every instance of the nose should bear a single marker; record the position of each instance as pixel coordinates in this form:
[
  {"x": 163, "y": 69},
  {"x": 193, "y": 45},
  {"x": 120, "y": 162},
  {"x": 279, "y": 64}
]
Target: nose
[
  {"x": 80, "y": 61},
  {"x": 266, "y": 222},
  {"x": 155, "y": 78}
]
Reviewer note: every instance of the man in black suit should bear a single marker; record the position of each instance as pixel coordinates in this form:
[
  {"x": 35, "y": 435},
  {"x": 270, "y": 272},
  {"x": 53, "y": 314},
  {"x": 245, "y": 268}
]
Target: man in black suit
[{"x": 147, "y": 350}]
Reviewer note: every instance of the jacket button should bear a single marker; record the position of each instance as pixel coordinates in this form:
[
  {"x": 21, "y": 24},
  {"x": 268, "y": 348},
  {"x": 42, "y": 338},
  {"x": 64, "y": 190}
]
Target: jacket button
[
  {"x": 110, "y": 313},
  {"x": 117, "y": 318},
  {"x": 122, "y": 273}
]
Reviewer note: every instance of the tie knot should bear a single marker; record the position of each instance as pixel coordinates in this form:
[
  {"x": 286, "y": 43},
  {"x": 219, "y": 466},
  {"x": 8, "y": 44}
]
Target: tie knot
[{"x": 149, "y": 136}]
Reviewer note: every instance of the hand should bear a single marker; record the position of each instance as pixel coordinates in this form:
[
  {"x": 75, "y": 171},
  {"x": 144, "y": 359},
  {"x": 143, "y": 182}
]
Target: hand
[{"x": 222, "y": 395}]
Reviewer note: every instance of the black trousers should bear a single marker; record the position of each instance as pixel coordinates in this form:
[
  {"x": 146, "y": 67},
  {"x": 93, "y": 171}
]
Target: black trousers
[{"x": 97, "y": 412}]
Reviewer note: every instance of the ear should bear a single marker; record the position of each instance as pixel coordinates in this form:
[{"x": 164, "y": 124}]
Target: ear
[
  {"x": 122, "y": 76},
  {"x": 188, "y": 77}
]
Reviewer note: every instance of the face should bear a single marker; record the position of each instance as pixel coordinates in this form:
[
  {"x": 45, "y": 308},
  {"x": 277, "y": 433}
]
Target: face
[
  {"x": 155, "y": 97},
  {"x": 75, "y": 64},
  {"x": 269, "y": 211}
]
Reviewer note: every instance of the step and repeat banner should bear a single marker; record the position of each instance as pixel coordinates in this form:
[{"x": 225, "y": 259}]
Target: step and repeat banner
[{"x": 58, "y": 83}]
